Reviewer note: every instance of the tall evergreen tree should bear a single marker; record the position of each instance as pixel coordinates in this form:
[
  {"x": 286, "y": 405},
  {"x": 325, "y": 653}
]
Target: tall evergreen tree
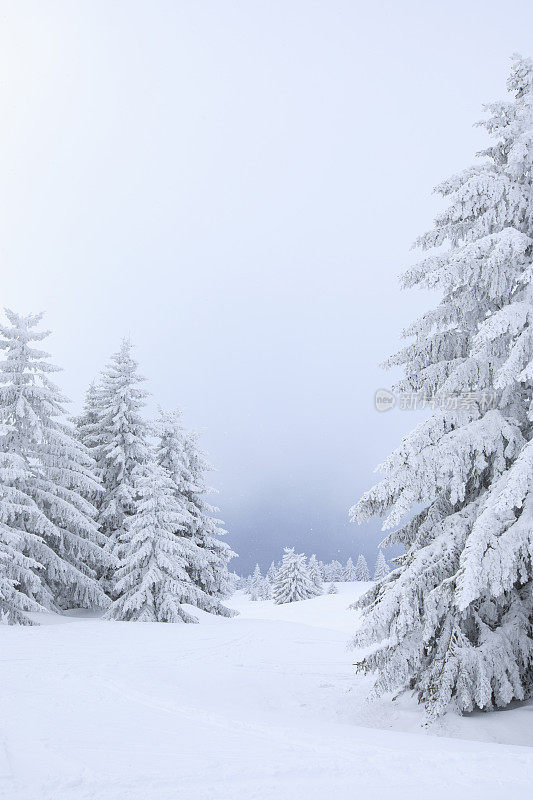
[
  {"x": 48, "y": 477},
  {"x": 152, "y": 583},
  {"x": 292, "y": 580},
  {"x": 178, "y": 453},
  {"x": 362, "y": 573},
  {"x": 454, "y": 621},
  {"x": 114, "y": 429}
]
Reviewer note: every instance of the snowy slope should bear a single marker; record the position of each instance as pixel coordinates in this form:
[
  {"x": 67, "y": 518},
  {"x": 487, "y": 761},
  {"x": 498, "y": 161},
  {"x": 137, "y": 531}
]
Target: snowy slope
[{"x": 262, "y": 706}]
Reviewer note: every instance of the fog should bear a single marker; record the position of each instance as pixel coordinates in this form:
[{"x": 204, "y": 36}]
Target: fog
[{"x": 236, "y": 186}]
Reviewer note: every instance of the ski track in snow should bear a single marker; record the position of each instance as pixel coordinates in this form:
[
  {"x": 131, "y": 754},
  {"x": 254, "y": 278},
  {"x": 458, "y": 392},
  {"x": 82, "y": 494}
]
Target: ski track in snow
[{"x": 263, "y": 706}]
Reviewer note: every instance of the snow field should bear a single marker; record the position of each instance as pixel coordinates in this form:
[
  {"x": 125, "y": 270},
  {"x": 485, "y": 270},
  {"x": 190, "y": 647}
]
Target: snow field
[{"x": 263, "y": 706}]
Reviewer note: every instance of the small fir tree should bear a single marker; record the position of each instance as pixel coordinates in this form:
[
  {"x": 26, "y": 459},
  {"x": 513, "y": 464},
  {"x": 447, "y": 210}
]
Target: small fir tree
[{"x": 292, "y": 580}]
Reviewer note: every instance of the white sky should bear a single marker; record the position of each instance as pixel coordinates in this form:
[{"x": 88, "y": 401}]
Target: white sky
[{"x": 236, "y": 184}]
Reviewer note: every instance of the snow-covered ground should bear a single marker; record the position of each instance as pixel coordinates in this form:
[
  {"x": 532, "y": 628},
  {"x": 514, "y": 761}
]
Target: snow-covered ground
[{"x": 264, "y": 705}]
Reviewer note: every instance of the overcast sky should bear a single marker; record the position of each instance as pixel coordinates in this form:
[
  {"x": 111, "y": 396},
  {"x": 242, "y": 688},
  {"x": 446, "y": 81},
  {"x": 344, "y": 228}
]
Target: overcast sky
[{"x": 236, "y": 186}]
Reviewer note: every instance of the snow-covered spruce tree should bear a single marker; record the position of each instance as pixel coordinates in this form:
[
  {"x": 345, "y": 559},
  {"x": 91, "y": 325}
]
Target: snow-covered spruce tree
[
  {"x": 362, "y": 573},
  {"x": 315, "y": 575},
  {"x": 152, "y": 582},
  {"x": 382, "y": 568},
  {"x": 292, "y": 580},
  {"x": 349, "y": 571},
  {"x": 178, "y": 453},
  {"x": 255, "y": 588},
  {"x": 48, "y": 477},
  {"x": 333, "y": 588},
  {"x": 116, "y": 433},
  {"x": 453, "y": 621}
]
